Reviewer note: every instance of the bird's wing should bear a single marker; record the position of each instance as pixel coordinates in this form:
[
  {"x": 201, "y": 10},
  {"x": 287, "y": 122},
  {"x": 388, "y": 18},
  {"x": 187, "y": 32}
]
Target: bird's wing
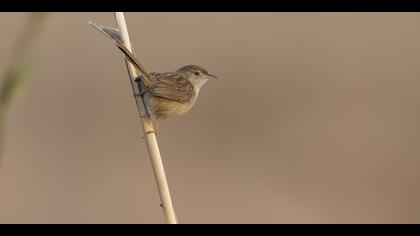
[{"x": 173, "y": 86}]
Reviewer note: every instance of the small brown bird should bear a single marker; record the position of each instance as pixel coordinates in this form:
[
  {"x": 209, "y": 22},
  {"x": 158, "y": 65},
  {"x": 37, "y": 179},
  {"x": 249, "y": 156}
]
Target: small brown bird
[{"x": 167, "y": 94}]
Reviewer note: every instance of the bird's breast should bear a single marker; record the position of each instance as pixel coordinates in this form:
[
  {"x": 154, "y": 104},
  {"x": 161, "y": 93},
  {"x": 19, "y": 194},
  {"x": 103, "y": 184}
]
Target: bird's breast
[{"x": 165, "y": 108}]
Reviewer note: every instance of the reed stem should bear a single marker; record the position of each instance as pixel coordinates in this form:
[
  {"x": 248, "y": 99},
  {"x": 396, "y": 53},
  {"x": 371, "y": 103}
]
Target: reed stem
[{"x": 149, "y": 135}]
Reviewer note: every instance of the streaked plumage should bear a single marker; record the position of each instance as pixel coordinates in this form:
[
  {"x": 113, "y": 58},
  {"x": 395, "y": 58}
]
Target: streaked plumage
[
  {"x": 167, "y": 94},
  {"x": 175, "y": 92}
]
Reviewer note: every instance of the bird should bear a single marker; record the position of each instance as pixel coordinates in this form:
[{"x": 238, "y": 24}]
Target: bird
[{"x": 167, "y": 94}]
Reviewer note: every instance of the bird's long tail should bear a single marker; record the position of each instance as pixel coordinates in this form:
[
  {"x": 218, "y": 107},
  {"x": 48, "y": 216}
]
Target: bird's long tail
[
  {"x": 148, "y": 80},
  {"x": 115, "y": 35}
]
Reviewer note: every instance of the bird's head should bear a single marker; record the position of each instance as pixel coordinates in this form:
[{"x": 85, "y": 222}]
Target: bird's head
[{"x": 196, "y": 74}]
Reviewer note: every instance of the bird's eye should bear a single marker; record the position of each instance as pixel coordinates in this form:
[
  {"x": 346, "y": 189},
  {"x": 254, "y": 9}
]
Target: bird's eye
[{"x": 197, "y": 73}]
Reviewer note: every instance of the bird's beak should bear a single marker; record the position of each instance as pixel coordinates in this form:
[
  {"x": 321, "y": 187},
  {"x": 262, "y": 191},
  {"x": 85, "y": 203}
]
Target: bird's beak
[{"x": 211, "y": 77}]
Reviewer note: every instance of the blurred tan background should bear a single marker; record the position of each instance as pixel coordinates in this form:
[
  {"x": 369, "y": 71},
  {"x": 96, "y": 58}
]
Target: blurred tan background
[{"x": 315, "y": 119}]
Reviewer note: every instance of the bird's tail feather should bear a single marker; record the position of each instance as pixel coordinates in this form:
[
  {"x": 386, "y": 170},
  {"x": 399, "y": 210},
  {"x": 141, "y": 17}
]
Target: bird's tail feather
[
  {"x": 107, "y": 31},
  {"x": 115, "y": 35}
]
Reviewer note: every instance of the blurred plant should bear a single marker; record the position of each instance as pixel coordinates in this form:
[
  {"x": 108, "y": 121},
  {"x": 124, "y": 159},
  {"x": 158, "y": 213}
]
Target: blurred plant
[{"x": 22, "y": 61}]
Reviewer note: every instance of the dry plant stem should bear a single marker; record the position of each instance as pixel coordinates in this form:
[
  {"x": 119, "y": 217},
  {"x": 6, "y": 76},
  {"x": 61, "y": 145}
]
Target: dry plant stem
[
  {"x": 22, "y": 60},
  {"x": 149, "y": 134}
]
